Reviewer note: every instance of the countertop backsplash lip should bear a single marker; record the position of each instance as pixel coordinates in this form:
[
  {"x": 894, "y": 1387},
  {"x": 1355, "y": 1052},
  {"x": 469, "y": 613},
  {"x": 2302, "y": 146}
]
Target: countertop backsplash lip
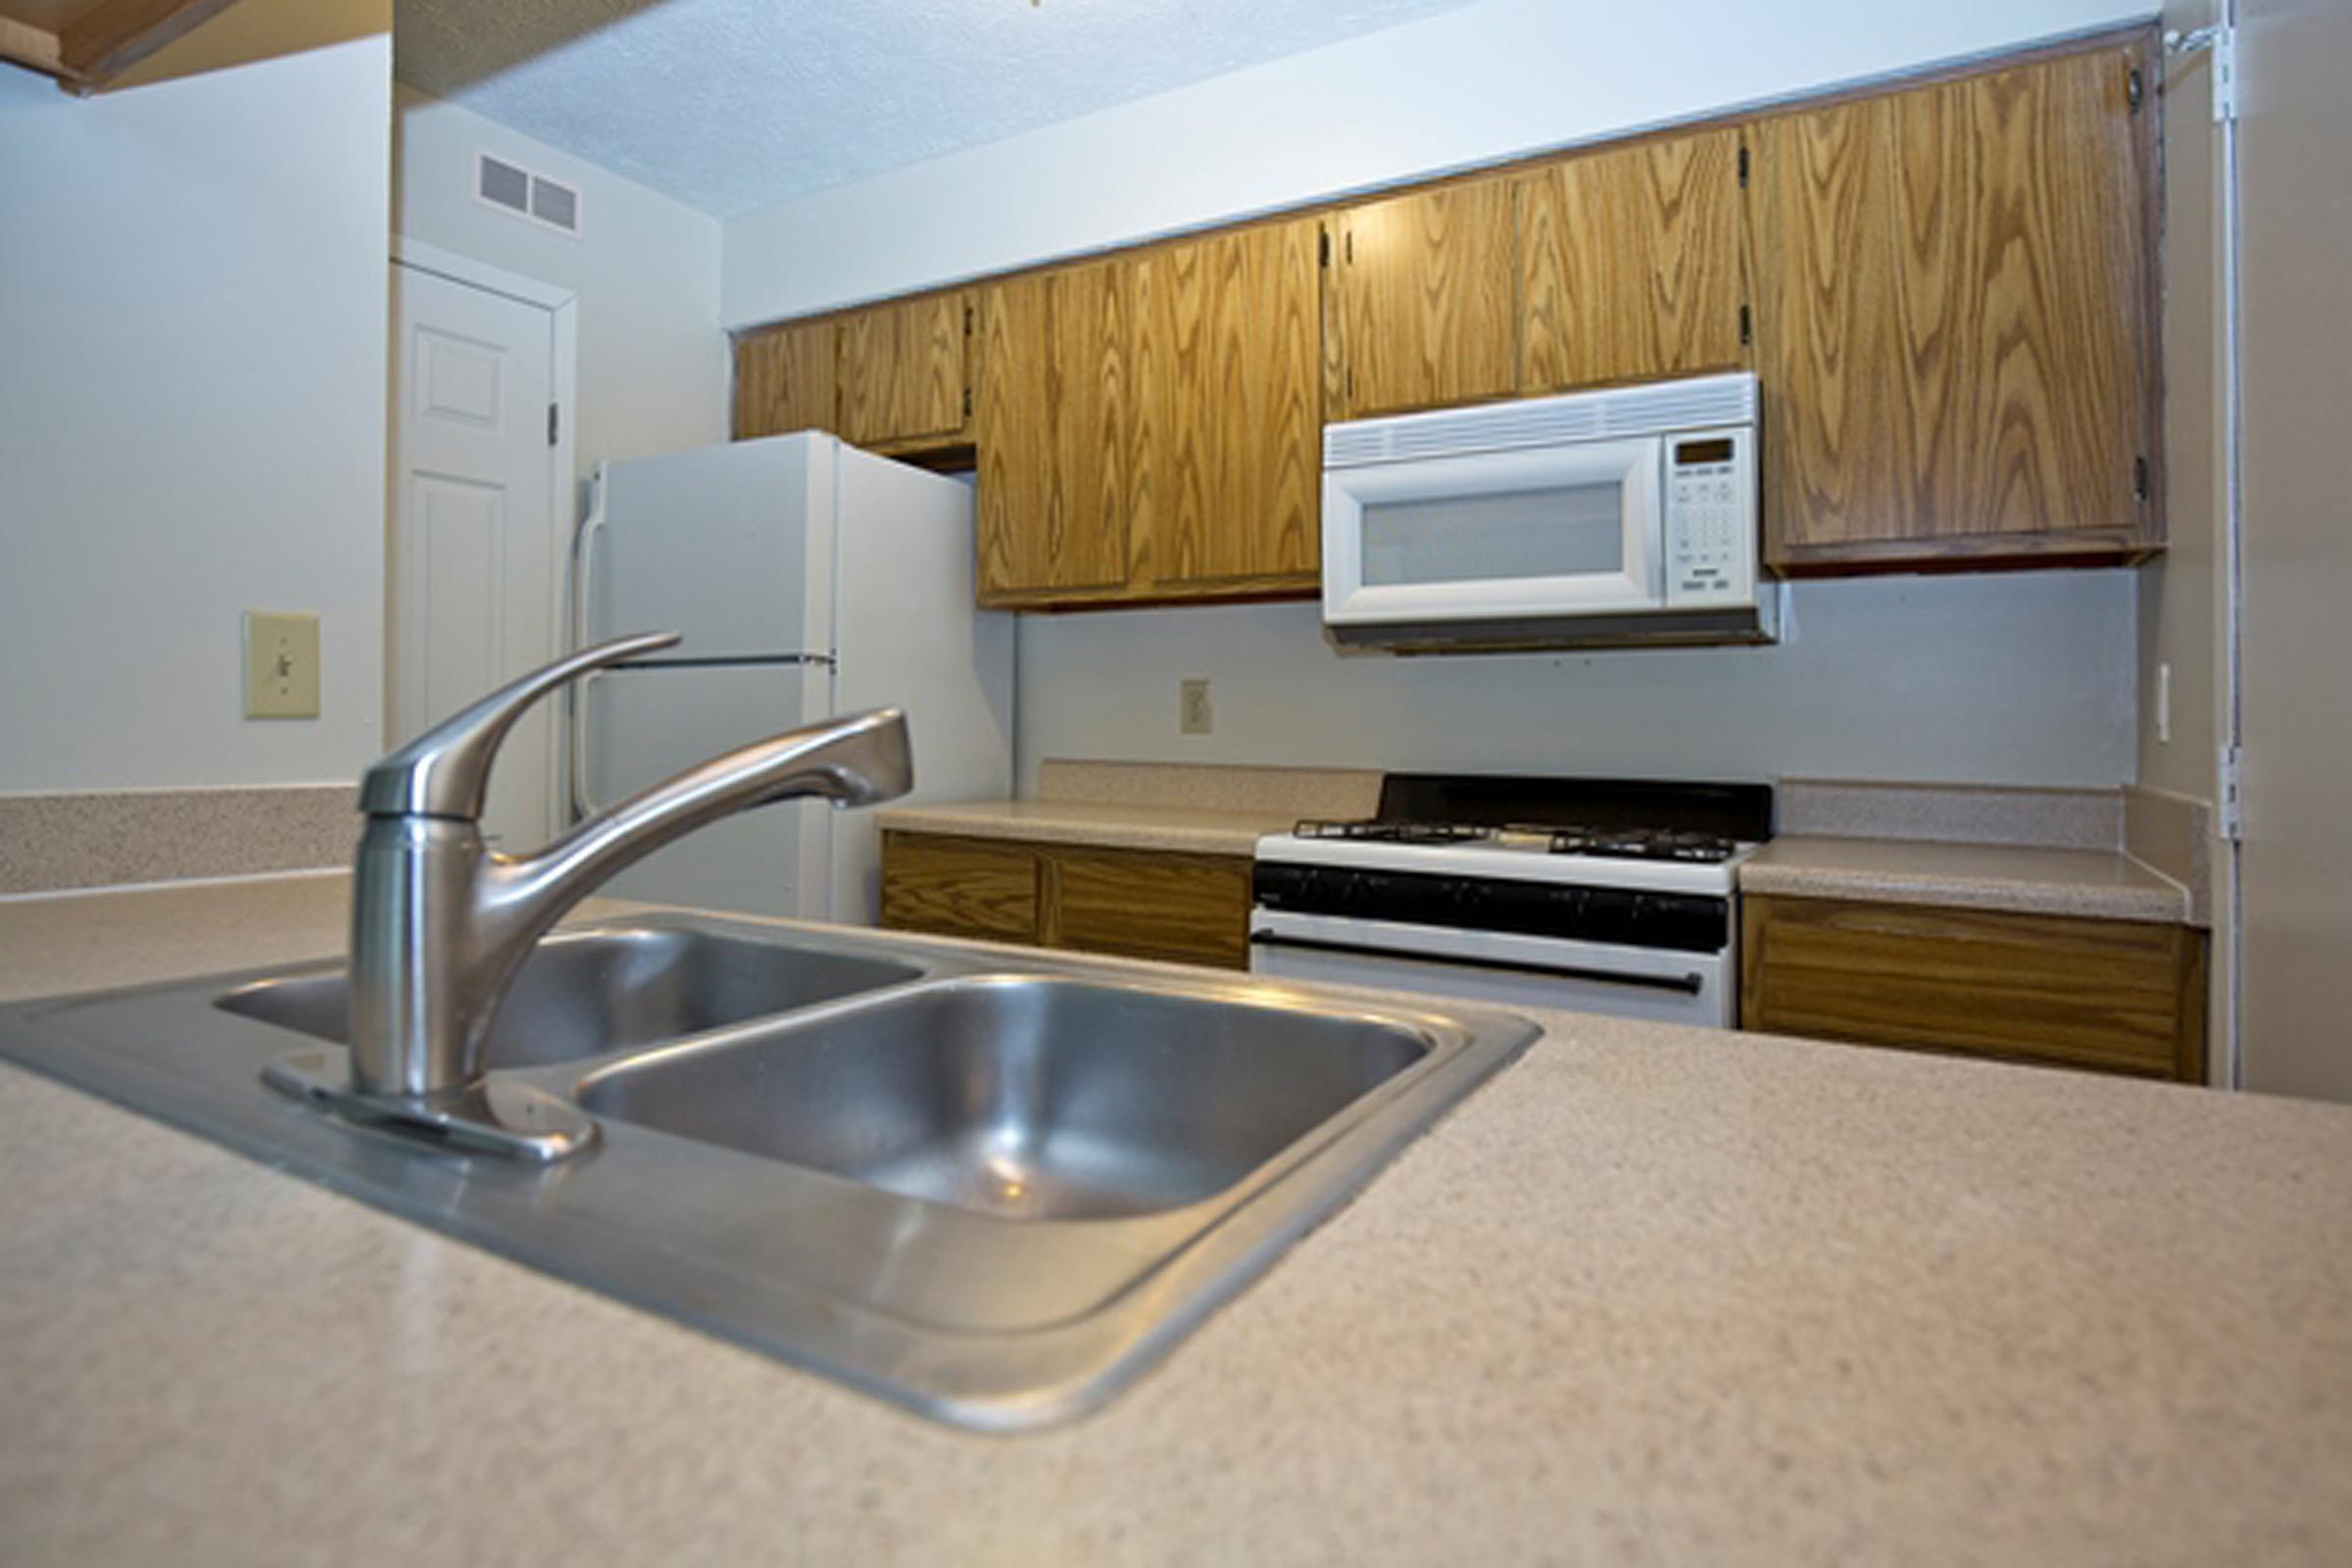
[
  {"x": 60, "y": 840},
  {"x": 1276, "y": 790},
  {"x": 2019, "y": 815}
]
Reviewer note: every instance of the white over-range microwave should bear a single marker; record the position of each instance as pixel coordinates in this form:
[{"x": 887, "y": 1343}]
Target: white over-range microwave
[{"x": 1594, "y": 519}]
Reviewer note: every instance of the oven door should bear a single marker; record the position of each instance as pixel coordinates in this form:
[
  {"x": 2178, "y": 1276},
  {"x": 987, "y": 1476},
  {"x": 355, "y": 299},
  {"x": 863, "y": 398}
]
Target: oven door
[
  {"x": 1573, "y": 528},
  {"x": 1498, "y": 967}
]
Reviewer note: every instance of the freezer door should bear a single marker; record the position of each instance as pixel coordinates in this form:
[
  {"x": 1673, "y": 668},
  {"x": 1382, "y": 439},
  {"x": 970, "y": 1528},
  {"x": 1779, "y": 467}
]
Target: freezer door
[
  {"x": 731, "y": 546},
  {"x": 643, "y": 725}
]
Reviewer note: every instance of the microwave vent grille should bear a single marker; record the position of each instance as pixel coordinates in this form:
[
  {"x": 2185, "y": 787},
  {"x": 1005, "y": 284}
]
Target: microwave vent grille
[{"x": 1666, "y": 406}]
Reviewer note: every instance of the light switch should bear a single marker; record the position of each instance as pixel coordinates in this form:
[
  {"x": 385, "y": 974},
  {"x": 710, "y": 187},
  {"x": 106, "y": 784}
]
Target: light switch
[{"x": 281, "y": 665}]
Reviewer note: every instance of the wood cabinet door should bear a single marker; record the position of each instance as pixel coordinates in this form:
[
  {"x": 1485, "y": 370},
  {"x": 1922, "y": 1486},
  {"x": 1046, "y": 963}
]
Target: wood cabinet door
[
  {"x": 1632, "y": 263},
  {"x": 784, "y": 380},
  {"x": 1953, "y": 322},
  {"x": 1423, "y": 301},
  {"x": 903, "y": 370},
  {"x": 959, "y": 887},
  {"x": 1227, "y": 469},
  {"x": 1150, "y": 904},
  {"x": 1052, "y": 423}
]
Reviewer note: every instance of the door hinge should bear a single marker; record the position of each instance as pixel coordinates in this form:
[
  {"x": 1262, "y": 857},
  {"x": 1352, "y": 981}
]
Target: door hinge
[
  {"x": 1747, "y": 327},
  {"x": 2221, "y": 39},
  {"x": 552, "y": 426},
  {"x": 2229, "y": 790},
  {"x": 2139, "y": 479},
  {"x": 1744, "y": 168}
]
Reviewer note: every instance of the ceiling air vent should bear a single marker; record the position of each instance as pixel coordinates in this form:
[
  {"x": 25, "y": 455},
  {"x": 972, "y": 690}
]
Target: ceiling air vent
[{"x": 542, "y": 200}]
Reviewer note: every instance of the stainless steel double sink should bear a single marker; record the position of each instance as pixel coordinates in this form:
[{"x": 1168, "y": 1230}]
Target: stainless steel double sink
[{"x": 992, "y": 1189}]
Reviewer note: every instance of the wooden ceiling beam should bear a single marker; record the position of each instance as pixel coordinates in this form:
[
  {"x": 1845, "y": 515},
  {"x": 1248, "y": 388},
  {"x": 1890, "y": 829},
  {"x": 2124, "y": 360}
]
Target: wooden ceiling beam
[{"x": 84, "y": 51}]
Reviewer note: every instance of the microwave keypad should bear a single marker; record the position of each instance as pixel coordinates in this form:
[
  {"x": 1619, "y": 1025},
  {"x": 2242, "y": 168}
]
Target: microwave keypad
[{"x": 1706, "y": 531}]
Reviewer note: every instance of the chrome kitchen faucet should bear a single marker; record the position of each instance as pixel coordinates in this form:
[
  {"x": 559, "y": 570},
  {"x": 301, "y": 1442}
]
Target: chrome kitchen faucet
[{"x": 440, "y": 922}]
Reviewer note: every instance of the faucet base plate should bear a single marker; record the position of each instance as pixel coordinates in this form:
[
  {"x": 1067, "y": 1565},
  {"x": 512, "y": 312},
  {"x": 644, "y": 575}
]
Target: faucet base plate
[{"x": 509, "y": 1119}]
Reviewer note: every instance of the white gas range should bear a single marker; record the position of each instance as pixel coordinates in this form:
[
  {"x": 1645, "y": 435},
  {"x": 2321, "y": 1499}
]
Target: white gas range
[{"x": 1595, "y": 896}]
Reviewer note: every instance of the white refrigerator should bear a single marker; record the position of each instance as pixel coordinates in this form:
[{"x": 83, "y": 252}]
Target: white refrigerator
[{"x": 806, "y": 579}]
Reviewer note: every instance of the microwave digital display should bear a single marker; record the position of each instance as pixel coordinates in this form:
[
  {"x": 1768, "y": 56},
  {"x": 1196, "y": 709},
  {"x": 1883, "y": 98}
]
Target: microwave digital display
[{"x": 1688, "y": 454}]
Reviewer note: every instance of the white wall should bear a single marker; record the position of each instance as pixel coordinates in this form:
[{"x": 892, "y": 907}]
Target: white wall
[
  {"x": 2020, "y": 678},
  {"x": 653, "y": 364},
  {"x": 1484, "y": 83},
  {"x": 192, "y": 300}
]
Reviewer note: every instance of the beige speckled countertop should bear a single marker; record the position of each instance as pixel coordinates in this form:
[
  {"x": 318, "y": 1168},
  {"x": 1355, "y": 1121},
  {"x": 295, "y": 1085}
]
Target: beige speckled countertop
[
  {"x": 1653, "y": 1295},
  {"x": 2100, "y": 883},
  {"x": 1116, "y": 825}
]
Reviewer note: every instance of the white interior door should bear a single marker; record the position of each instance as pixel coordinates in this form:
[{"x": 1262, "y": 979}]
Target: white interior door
[
  {"x": 2295, "y": 371},
  {"x": 475, "y": 585}
]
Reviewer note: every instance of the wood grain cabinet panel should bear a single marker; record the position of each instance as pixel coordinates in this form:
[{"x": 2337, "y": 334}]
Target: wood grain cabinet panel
[
  {"x": 1423, "y": 307},
  {"x": 1189, "y": 908},
  {"x": 1953, "y": 320},
  {"x": 784, "y": 380},
  {"x": 1632, "y": 263},
  {"x": 1052, "y": 423},
  {"x": 2114, "y": 995},
  {"x": 959, "y": 887},
  {"x": 904, "y": 374},
  {"x": 1228, "y": 441}
]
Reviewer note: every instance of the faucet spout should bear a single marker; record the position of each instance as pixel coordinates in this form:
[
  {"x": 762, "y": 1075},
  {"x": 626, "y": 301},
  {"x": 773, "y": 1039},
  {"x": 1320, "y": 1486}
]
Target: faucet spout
[
  {"x": 440, "y": 923},
  {"x": 859, "y": 760}
]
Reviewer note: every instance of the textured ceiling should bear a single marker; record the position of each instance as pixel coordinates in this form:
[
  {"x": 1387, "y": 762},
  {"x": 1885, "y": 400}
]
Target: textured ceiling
[{"x": 733, "y": 104}]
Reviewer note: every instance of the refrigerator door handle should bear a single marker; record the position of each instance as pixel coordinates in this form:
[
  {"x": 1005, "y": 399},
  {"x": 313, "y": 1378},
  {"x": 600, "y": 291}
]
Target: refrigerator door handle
[{"x": 575, "y": 699}]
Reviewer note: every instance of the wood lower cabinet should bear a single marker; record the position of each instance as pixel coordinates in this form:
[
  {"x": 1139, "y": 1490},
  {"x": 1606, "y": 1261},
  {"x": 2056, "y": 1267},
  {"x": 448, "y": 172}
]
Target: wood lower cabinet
[
  {"x": 1955, "y": 320},
  {"x": 2119, "y": 996},
  {"x": 905, "y": 372},
  {"x": 784, "y": 380},
  {"x": 1422, "y": 308},
  {"x": 1633, "y": 264},
  {"x": 1138, "y": 903}
]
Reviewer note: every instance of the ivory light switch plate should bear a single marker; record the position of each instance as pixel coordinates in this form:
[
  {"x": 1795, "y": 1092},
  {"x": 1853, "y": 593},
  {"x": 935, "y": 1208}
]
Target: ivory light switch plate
[{"x": 281, "y": 665}]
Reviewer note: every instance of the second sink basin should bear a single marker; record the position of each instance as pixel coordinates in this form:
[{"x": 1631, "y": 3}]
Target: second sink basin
[
  {"x": 589, "y": 993},
  {"x": 1022, "y": 1096}
]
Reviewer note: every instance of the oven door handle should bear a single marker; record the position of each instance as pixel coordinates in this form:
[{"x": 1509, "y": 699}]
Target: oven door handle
[{"x": 1689, "y": 985}]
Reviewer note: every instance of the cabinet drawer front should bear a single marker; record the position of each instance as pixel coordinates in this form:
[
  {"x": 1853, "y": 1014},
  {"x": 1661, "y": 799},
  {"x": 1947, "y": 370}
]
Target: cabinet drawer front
[
  {"x": 1188, "y": 907},
  {"x": 2117, "y": 995},
  {"x": 959, "y": 887}
]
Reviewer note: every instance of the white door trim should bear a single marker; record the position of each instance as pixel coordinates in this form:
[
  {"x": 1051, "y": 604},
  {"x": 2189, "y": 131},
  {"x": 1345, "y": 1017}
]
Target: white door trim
[{"x": 562, "y": 489}]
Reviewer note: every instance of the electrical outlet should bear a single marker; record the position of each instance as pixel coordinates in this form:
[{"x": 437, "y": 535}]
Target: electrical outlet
[
  {"x": 281, "y": 665},
  {"x": 1193, "y": 715}
]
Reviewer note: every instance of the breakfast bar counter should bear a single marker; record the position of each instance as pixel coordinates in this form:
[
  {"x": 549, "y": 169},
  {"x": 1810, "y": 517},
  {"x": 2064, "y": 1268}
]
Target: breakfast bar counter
[{"x": 1654, "y": 1293}]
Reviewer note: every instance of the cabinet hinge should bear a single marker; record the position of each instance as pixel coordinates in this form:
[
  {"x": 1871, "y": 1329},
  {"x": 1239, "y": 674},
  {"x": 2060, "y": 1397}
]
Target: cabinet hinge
[
  {"x": 1323, "y": 248},
  {"x": 967, "y": 402},
  {"x": 1744, "y": 168},
  {"x": 967, "y": 320},
  {"x": 2230, "y": 788},
  {"x": 2139, "y": 480},
  {"x": 552, "y": 418},
  {"x": 2134, "y": 88},
  {"x": 1747, "y": 327},
  {"x": 2220, "y": 38}
]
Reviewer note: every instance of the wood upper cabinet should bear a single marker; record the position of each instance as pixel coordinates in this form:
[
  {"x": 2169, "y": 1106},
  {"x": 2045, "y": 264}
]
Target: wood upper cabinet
[
  {"x": 1226, "y": 472},
  {"x": 1954, "y": 320},
  {"x": 1632, "y": 263},
  {"x": 1422, "y": 309},
  {"x": 784, "y": 380},
  {"x": 1054, "y": 427},
  {"x": 905, "y": 372}
]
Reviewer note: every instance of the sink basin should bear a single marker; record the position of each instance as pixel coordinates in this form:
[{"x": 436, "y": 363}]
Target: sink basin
[
  {"x": 1021, "y": 1096},
  {"x": 591, "y": 993},
  {"x": 993, "y": 1194}
]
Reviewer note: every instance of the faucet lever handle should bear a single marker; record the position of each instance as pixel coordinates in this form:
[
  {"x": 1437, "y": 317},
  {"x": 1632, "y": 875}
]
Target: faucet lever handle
[{"x": 446, "y": 771}]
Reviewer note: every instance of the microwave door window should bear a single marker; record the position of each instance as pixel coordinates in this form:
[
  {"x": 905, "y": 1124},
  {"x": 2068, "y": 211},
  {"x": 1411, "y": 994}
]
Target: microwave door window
[{"x": 1502, "y": 536}]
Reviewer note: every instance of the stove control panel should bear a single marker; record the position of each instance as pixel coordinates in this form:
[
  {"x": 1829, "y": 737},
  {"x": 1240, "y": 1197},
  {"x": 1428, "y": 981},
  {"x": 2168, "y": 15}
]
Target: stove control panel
[
  {"x": 1676, "y": 921},
  {"x": 1710, "y": 517}
]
